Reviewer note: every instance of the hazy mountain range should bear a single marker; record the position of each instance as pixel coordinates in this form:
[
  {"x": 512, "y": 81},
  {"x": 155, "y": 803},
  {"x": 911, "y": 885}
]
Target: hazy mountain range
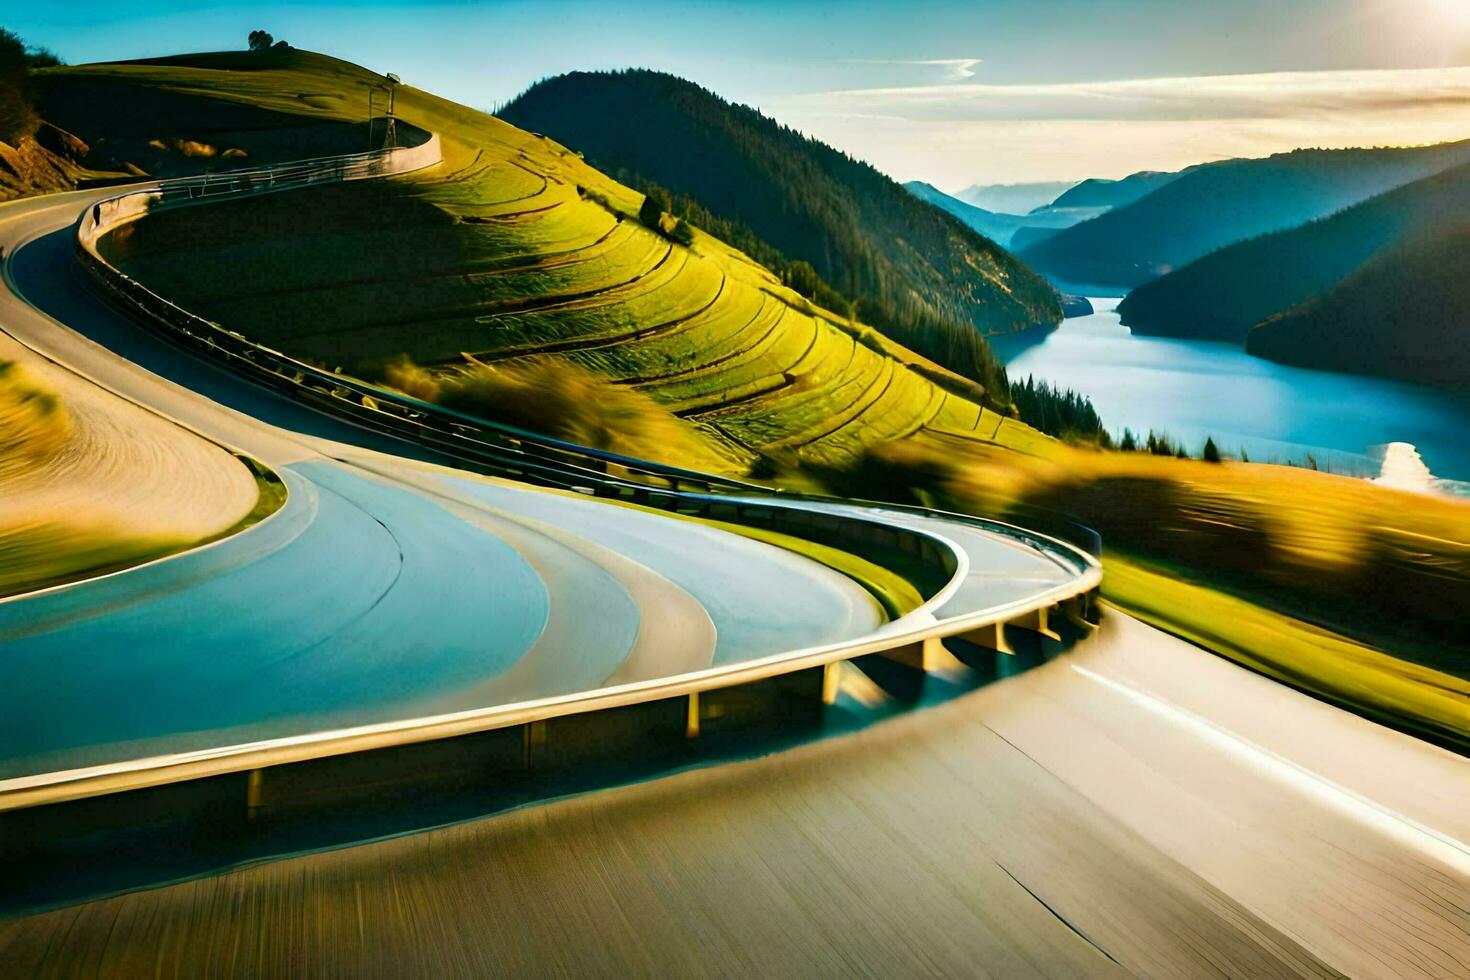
[{"x": 1216, "y": 204}]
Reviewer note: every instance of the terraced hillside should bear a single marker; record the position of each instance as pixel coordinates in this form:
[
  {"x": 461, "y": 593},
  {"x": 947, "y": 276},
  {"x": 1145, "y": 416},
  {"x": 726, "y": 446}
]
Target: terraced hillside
[
  {"x": 512, "y": 251},
  {"x": 857, "y": 228}
]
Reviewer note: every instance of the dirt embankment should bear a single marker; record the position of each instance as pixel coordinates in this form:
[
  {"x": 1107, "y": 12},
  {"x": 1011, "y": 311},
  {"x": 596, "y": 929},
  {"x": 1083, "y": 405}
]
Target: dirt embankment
[{"x": 40, "y": 164}]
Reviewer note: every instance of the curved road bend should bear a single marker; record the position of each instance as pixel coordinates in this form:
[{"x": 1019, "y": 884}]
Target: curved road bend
[
  {"x": 367, "y": 598},
  {"x": 385, "y": 589},
  {"x": 1137, "y": 806}
]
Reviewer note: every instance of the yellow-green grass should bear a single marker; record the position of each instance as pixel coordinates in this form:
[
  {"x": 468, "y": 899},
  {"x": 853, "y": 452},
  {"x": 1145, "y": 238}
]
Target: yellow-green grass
[
  {"x": 1310, "y": 554},
  {"x": 1309, "y": 657},
  {"x": 515, "y": 248},
  {"x": 45, "y": 538}
]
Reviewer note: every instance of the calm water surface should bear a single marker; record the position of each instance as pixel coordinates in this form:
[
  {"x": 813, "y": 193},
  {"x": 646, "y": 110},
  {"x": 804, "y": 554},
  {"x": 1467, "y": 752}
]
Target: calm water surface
[{"x": 1192, "y": 389}]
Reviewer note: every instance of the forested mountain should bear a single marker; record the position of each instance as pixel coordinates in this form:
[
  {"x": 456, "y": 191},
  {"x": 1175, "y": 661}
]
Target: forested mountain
[
  {"x": 913, "y": 271},
  {"x": 1216, "y": 204},
  {"x": 1097, "y": 192},
  {"x": 999, "y": 228},
  {"x": 1405, "y": 314},
  {"x": 1223, "y": 295}
]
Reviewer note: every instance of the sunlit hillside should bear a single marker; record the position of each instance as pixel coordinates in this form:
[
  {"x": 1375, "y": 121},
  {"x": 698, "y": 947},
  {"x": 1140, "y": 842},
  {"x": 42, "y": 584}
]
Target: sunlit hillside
[{"x": 514, "y": 249}]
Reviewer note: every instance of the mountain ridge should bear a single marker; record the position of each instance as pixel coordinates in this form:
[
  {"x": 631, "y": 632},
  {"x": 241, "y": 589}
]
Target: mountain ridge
[
  {"x": 910, "y": 266},
  {"x": 1216, "y": 204}
]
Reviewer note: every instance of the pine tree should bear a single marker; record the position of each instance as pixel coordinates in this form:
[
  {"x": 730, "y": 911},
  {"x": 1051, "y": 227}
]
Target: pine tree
[{"x": 1211, "y": 452}]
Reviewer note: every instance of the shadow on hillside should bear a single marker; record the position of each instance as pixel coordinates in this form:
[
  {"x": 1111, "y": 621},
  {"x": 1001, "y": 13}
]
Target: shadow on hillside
[{"x": 48, "y": 277}]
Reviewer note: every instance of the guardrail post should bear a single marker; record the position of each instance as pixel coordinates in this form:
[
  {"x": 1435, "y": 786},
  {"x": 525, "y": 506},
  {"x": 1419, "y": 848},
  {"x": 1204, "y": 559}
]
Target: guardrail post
[
  {"x": 1075, "y": 610},
  {"x": 926, "y": 655},
  {"x": 1036, "y": 622},
  {"x": 691, "y": 716},
  {"x": 831, "y": 681},
  {"x": 533, "y": 742},
  {"x": 254, "y": 793},
  {"x": 992, "y": 636}
]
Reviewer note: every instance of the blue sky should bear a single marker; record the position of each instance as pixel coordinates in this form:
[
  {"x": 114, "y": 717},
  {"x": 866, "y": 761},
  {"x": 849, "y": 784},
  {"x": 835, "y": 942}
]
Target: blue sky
[{"x": 952, "y": 92}]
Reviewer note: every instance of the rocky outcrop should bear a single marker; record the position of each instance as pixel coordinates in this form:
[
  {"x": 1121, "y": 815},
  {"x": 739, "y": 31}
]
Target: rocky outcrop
[
  {"x": 40, "y": 164},
  {"x": 1076, "y": 306}
]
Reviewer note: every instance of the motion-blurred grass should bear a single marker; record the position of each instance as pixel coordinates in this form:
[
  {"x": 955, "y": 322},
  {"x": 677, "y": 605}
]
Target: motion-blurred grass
[
  {"x": 1342, "y": 586},
  {"x": 46, "y": 539}
]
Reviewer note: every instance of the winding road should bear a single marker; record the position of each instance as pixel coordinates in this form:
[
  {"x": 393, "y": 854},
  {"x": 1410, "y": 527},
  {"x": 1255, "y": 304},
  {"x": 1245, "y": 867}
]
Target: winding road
[
  {"x": 1133, "y": 807},
  {"x": 386, "y": 588}
]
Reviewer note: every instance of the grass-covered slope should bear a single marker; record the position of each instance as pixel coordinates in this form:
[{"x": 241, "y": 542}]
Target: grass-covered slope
[
  {"x": 901, "y": 259},
  {"x": 1405, "y": 313},
  {"x": 90, "y": 483},
  {"x": 1216, "y": 204},
  {"x": 1223, "y": 295},
  {"x": 515, "y": 250}
]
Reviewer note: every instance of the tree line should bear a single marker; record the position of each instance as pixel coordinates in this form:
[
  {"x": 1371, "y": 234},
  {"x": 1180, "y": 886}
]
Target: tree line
[{"x": 18, "y": 92}]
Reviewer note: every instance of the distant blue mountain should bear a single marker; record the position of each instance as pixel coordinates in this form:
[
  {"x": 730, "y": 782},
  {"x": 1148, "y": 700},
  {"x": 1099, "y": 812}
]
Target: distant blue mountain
[
  {"x": 1013, "y": 198},
  {"x": 999, "y": 228},
  {"x": 1216, "y": 204}
]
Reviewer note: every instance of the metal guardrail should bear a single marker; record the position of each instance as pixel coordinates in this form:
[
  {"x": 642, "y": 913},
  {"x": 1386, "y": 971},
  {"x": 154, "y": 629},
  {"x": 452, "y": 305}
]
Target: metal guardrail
[{"x": 528, "y": 457}]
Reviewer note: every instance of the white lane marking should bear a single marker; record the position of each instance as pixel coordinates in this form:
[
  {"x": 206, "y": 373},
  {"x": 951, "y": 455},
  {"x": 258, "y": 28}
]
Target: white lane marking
[{"x": 1427, "y": 841}]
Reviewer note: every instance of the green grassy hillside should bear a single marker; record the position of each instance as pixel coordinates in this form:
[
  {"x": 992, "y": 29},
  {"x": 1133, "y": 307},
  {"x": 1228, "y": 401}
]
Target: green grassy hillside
[
  {"x": 906, "y": 264},
  {"x": 516, "y": 251},
  {"x": 1404, "y": 314},
  {"x": 1223, "y": 295},
  {"x": 1215, "y": 204}
]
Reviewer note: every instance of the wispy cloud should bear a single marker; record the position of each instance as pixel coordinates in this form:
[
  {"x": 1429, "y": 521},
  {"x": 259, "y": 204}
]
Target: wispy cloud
[
  {"x": 1256, "y": 96},
  {"x": 955, "y": 69},
  {"x": 955, "y": 134}
]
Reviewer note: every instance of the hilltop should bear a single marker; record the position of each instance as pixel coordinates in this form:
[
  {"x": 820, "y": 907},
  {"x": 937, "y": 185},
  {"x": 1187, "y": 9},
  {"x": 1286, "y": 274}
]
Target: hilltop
[
  {"x": 514, "y": 251},
  {"x": 1216, "y": 204},
  {"x": 1226, "y": 293},
  {"x": 905, "y": 263}
]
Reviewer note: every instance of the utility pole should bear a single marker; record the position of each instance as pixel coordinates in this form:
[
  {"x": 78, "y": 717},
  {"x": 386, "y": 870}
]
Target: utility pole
[{"x": 392, "y": 136}]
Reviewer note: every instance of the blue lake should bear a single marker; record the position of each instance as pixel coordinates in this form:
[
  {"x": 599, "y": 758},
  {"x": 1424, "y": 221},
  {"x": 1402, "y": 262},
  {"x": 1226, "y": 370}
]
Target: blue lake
[{"x": 1193, "y": 389}]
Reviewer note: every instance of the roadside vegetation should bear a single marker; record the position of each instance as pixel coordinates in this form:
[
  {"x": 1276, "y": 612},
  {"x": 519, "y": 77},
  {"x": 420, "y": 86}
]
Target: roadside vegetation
[
  {"x": 78, "y": 499},
  {"x": 1323, "y": 580},
  {"x": 34, "y": 425},
  {"x": 1058, "y": 412},
  {"x": 41, "y": 541},
  {"x": 561, "y": 401},
  {"x": 18, "y": 91}
]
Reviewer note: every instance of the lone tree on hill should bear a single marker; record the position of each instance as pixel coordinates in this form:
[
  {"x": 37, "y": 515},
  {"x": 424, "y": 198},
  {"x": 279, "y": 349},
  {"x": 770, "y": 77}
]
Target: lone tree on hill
[
  {"x": 651, "y": 212},
  {"x": 1211, "y": 453},
  {"x": 261, "y": 40}
]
